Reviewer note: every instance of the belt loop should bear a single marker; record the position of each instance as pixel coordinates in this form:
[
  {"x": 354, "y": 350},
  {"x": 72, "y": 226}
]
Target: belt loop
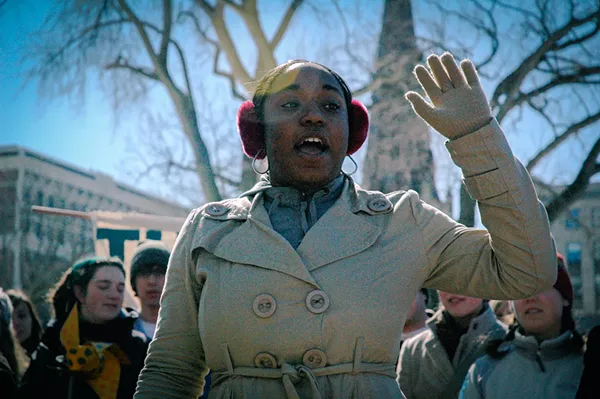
[
  {"x": 227, "y": 358},
  {"x": 358, "y": 354}
]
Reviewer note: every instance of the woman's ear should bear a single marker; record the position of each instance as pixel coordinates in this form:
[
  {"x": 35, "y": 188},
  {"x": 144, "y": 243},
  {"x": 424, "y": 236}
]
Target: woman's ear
[
  {"x": 251, "y": 131},
  {"x": 359, "y": 126},
  {"x": 79, "y": 294}
]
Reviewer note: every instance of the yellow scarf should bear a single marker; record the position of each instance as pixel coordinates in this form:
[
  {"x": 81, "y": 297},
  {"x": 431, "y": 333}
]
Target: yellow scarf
[{"x": 98, "y": 362}]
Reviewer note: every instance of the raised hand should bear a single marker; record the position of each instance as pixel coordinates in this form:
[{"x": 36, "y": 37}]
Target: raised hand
[{"x": 458, "y": 104}]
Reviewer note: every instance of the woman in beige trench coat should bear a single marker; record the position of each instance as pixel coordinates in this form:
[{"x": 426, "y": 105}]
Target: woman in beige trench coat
[{"x": 300, "y": 287}]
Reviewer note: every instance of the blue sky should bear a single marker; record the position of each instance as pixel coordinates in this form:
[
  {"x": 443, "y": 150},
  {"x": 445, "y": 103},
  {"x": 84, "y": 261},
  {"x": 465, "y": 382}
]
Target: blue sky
[
  {"x": 88, "y": 135},
  {"x": 79, "y": 135}
]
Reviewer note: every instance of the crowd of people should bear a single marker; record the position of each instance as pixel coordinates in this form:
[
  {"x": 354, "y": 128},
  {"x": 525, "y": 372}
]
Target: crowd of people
[{"x": 308, "y": 286}]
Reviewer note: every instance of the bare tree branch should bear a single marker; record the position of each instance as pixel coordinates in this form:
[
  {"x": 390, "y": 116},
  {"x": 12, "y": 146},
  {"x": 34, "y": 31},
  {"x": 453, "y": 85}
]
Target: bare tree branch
[
  {"x": 579, "y": 39},
  {"x": 347, "y": 47},
  {"x": 228, "y": 180},
  {"x": 560, "y": 80},
  {"x": 576, "y": 189},
  {"x": 228, "y": 76},
  {"x": 82, "y": 35},
  {"x": 217, "y": 48},
  {"x": 206, "y": 7},
  {"x": 225, "y": 42},
  {"x": 573, "y": 129},
  {"x": 139, "y": 25},
  {"x": 509, "y": 87},
  {"x": 284, "y": 24},
  {"x": 491, "y": 32},
  {"x": 119, "y": 64},
  {"x": 236, "y": 7},
  {"x": 166, "y": 34}
]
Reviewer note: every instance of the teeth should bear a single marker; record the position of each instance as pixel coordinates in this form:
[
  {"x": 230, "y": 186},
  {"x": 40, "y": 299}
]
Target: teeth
[{"x": 313, "y": 140}]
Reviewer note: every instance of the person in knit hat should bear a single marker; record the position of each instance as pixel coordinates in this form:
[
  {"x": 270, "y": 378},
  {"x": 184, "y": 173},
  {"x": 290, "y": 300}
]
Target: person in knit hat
[
  {"x": 147, "y": 278},
  {"x": 542, "y": 354}
]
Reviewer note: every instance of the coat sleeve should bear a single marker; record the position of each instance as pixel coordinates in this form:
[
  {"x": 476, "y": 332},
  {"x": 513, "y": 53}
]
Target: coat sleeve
[
  {"x": 515, "y": 256},
  {"x": 175, "y": 366},
  {"x": 405, "y": 373}
]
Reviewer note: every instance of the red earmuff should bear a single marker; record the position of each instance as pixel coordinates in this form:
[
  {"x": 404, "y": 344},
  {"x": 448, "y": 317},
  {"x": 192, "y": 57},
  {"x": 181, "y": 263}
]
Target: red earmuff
[
  {"x": 359, "y": 126},
  {"x": 252, "y": 134},
  {"x": 250, "y": 131}
]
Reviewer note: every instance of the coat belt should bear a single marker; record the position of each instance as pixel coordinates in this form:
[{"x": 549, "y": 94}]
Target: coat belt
[{"x": 291, "y": 375}]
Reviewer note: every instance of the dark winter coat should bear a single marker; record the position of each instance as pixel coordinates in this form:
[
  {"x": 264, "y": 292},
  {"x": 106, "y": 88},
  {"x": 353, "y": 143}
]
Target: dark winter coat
[
  {"x": 589, "y": 385},
  {"x": 47, "y": 375}
]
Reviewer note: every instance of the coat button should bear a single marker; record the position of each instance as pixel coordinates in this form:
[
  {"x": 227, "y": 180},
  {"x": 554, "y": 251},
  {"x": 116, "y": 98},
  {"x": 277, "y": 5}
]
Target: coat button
[
  {"x": 314, "y": 359},
  {"x": 216, "y": 210},
  {"x": 265, "y": 360},
  {"x": 380, "y": 204},
  {"x": 317, "y": 301},
  {"x": 264, "y": 305}
]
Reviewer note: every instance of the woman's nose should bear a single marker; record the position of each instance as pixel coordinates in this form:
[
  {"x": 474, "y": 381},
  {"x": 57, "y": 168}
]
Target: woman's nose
[
  {"x": 115, "y": 293},
  {"x": 312, "y": 115}
]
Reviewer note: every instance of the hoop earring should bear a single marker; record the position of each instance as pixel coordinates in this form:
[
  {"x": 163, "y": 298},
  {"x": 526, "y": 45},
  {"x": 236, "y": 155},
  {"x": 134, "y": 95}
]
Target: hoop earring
[
  {"x": 254, "y": 168},
  {"x": 355, "y": 166}
]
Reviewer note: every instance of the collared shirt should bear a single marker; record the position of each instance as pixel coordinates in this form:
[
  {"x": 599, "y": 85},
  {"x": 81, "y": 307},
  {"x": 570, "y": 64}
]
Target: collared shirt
[{"x": 293, "y": 212}]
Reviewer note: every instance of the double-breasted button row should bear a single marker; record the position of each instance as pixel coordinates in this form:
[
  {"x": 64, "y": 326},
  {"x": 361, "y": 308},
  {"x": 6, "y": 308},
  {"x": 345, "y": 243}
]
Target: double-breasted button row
[
  {"x": 264, "y": 305},
  {"x": 313, "y": 358},
  {"x": 317, "y": 301},
  {"x": 265, "y": 360}
]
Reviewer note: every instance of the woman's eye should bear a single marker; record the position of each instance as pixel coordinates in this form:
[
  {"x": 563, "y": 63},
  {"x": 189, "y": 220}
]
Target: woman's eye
[
  {"x": 332, "y": 107},
  {"x": 290, "y": 104}
]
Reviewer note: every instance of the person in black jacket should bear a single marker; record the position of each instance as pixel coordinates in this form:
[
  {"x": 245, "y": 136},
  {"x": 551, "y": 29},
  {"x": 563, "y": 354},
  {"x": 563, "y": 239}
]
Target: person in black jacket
[
  {"x": 588, "y": 385},
  {"x": 90, "y": 350}
]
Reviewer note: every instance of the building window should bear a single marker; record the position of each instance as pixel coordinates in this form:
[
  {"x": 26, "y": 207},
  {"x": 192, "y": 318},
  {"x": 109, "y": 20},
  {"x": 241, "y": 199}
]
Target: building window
[
  {"x": 572, "y": 221},
  {"x": 574, "y": 265}
]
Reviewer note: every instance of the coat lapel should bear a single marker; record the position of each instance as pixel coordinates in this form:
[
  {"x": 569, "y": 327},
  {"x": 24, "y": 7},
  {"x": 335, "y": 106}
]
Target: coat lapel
[
  {"x": 338, "y": 234},
  {"x": 255, "y": 243}
]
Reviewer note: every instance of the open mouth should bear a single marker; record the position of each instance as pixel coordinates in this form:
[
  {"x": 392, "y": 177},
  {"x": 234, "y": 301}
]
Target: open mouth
[
  {"x": 311, "y": 146},
  {"x": 533, "y": 311}
]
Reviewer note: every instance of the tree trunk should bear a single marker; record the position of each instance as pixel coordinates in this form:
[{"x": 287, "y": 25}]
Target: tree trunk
[
  {"x": 186, "y": 112},
  {"x": 398, "y": 154}
]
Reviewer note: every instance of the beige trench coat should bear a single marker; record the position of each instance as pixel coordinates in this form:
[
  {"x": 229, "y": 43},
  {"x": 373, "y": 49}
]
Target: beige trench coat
[{"x": 325, "y": 320}]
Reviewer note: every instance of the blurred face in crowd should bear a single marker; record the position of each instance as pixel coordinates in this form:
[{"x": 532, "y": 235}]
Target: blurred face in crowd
[
  {"x": 22, "y": 321},
  {"x": 541, "y": 315},
  {"x": 460, "y": 306},
  {"x": 149, "y": 284},
  {"x": 104, "y": 297},
  {"x": 306, "y": 127}
]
